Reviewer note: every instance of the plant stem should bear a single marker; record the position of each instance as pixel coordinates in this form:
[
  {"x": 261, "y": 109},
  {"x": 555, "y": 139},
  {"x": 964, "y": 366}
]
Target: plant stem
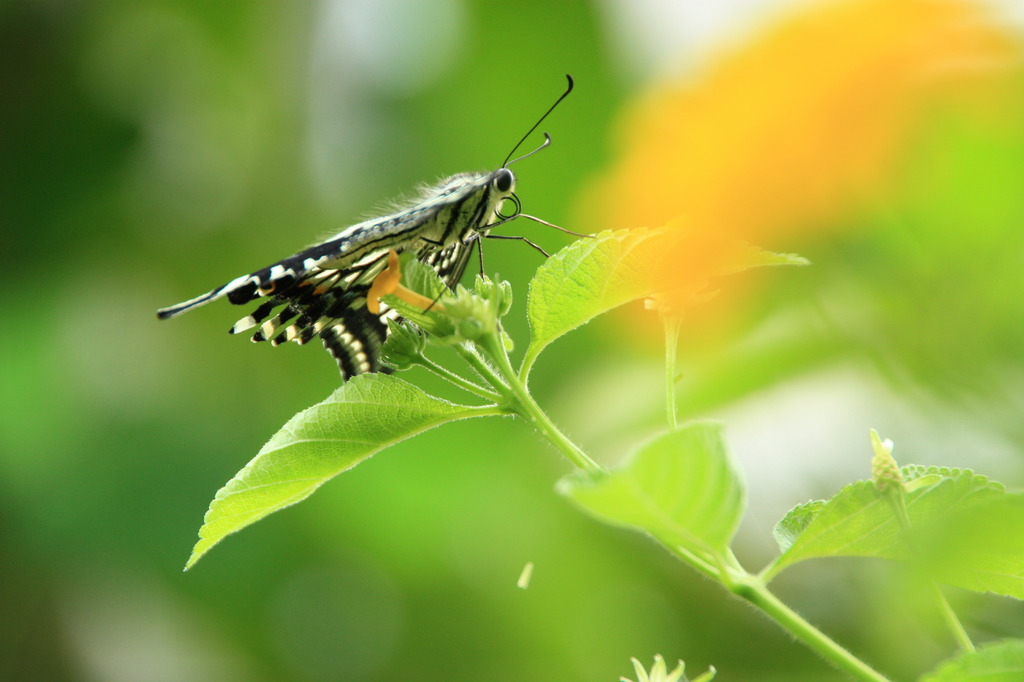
[
  {"x": 672, "y": 323},
  {"x": 531, "y": 410},
  {"x": 527, "y": 365},
  {"x": 453, "y": 378},
  {"x": 750, "y": 588},
  {"x": 952, "y": 620},
  {"x": 484, "y": 370},
  {"x": 693, "y": 560},
  {"x": 757, "y": 594},
  {"x": 527, "y": 407}
]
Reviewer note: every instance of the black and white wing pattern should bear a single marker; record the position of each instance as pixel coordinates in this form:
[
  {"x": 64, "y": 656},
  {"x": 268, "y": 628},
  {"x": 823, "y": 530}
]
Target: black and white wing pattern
[
  {"x": 329, "y": 304},
  {"x": 450, "y": 262},
  {"x": 321, "y": 292},
  {"x": 300, "y": 303}
]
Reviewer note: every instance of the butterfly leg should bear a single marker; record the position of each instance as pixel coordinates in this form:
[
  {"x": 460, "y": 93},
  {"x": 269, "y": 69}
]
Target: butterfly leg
[{"x": 505, "y": 236}]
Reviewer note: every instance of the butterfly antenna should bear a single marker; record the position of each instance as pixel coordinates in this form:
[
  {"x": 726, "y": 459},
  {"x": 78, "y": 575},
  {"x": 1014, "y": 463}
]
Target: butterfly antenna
[
  {"x": 547, "y": 138},
  {"x": 545, "y": 143}
]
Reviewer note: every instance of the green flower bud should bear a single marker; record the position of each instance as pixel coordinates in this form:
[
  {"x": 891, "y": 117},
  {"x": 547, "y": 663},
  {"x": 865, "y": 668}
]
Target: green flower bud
[
  {"x": 884, "y": 471},
  {"x": 404, "y": 346},
  {"x": 659, "y": 672},
  {"x": 470, "y": 329}
]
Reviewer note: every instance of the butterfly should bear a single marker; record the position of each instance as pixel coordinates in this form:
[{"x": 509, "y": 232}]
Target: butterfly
[{"x": 324, "y": 291}]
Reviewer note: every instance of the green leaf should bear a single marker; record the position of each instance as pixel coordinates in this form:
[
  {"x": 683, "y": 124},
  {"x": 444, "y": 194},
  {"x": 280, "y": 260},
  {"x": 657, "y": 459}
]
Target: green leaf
[
  {"x": 592, "y": 276},
  {"x": 420, "y": 277},
  {"x": 365, "y": 415},
  {"x": 681, "y": 488},
  {"x": 979, "y": 548},
  {"x": 795, "y": 522},
  {"x": 996, "y": 662},
  {"x": 860, "y": 522}
]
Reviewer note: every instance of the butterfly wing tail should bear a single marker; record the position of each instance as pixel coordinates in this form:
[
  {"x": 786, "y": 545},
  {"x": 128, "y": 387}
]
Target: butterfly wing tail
[
  {"x": 185, "y": 306},
  {"x": 239, "y": 291}
]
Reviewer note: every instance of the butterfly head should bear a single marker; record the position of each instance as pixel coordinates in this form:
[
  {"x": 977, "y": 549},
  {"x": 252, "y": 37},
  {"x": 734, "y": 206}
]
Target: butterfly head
[
  {"x": 503, "y": 189},
  {"x": 504, "y": 181}
]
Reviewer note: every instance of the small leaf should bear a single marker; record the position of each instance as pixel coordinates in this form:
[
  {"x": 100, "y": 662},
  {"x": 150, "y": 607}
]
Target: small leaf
[
  {"x": 592, "y": 276},
  {"x": 996, "y": 662},
  {"x": 681, "y": 488},
  {"x": 367, "y": 414},
  {"x": 420, "y": 277},
  {"x": 404, "y": 346},
  {"x": 793, "y": 524},
  {"x": 859, "y": 522}
]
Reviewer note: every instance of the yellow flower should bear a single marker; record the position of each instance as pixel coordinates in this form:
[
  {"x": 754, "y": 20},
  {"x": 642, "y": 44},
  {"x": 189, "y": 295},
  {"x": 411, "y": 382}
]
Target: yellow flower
[{"x": 791, "y": 129}]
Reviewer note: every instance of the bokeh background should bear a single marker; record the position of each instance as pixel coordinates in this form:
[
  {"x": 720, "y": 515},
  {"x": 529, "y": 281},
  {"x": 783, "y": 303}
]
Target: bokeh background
[{"x": 150, "y": 151}]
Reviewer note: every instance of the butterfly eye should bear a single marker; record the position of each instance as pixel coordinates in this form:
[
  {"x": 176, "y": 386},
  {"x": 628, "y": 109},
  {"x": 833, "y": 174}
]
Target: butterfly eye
[{"x": 503, "y": 180}]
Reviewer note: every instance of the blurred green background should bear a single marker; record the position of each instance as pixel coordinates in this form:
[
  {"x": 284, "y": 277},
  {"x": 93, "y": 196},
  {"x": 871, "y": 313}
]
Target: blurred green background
[{"x": 150, "y": 151}]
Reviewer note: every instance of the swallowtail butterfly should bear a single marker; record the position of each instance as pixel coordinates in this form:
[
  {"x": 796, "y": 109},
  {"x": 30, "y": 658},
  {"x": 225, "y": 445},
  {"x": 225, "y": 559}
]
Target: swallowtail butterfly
[{"x": 323, "y": 290}]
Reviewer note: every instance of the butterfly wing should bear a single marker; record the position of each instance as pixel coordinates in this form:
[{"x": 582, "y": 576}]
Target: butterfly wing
[
  {"x": 329, "y": 303},
  {"x": 450, "y": 262},
  {"x": 280, "y": 275},
  {"x": 318, "y": 292},
  {"x": 321, "y": 291}
]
